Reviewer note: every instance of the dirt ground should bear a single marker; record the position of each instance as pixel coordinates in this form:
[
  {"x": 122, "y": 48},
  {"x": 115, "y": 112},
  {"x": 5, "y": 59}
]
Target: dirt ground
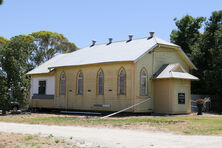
[
  {"x": 13, "y": 140},
  {"x": 114, "y": 138}
]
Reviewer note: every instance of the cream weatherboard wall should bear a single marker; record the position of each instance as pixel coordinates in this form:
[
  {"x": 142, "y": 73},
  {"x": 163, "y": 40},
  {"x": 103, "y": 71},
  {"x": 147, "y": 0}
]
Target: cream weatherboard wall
[
  {"x": 145, "y": 62},
  {"x": 182, "y": 86},
  {"x": 164, "y": 55},
  {"x": 152, "y": 61},
  {"x": 86, "y": 101},
  {"x": 164, "y": 95}
]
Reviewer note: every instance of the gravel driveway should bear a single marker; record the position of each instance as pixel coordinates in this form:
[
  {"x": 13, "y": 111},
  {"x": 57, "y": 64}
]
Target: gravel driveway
[{"x": 115, "y": 138}]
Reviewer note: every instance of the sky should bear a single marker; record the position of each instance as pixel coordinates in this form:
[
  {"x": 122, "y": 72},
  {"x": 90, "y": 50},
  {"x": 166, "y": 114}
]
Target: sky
[{"x": 84, "y": 20}]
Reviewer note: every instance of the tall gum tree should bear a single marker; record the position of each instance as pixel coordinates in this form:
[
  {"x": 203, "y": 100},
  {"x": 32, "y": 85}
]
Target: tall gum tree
[{"x": 48, "y": 44}]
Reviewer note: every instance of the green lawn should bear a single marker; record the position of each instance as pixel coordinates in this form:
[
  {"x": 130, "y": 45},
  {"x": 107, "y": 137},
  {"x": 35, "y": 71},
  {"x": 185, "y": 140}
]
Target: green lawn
[{"x": 204, "y": 125}]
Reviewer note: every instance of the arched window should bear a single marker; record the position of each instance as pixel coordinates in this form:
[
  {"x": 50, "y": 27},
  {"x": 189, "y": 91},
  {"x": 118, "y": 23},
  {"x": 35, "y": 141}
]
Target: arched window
[
  {"x": 100, "y": 82},
  {"x": 62, "y": 83},
  {"x": 122, "y": 82},
  {"x": 143, "y": 82},
  {"x": 80, "y": 83}
]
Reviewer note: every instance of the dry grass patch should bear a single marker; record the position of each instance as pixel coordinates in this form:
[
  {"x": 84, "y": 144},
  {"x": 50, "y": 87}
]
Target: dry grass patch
[
  {"x": 29, "y": 141},
  {"x": 203, "y": 125}
]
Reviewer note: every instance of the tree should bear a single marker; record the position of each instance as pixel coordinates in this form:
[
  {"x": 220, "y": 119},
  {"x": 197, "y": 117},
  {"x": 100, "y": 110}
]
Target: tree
[
  {"x": 1, "y": 1},
  {"x": 4, "y": 97},
  {"x": 49, "y": 44},
  {"x": 208, "y": 53},
  {"x": 205, "y": 51},
  {"x": 3, "y": 41},
  {"x": 14, "y": 60},
  {"x": 22, "y": 53},
  {"x": 187, "y": 33}
]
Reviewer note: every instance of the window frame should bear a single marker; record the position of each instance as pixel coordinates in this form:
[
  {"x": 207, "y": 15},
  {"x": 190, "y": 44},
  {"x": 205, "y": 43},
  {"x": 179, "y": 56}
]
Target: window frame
[
  {"x": 45, "y": 87},
  {"x": 97, "y": 82},
  {"x": 147, "y": 74},
  {"x": 77, "y": 84},
  {"x": 60, "y": 79},
  {"x": 118, "y": 81}
]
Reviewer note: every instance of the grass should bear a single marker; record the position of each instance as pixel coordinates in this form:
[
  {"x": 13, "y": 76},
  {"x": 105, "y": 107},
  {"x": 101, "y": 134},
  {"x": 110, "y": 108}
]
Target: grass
[
  {"x": 56, "y": 141},
  {"x": 28, "y": 138},
  {"x": 204, "y": 125},
  {"x": 13, "y": 140}
]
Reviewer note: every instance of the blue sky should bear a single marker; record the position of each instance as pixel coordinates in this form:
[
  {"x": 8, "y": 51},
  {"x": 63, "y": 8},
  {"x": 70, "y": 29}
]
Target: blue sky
[{"x": 84, "y": 20}]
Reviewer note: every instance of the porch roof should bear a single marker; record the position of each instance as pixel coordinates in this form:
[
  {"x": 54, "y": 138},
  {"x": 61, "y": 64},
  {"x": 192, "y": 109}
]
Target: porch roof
[{"x": 175, "y": 71}]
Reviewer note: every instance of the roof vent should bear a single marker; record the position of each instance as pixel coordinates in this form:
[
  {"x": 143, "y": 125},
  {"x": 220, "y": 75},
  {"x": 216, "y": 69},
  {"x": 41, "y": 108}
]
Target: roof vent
[
  {"x": 93, "y": 43},
  {"x": 110, "y": 41},
  {"x": 130, "y": 37},
  {"x": 151, "y": 34}
]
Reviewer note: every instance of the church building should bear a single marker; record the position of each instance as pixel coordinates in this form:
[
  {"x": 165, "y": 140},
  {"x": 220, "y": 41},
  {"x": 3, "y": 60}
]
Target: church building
[{"x": 115, "y": 75}]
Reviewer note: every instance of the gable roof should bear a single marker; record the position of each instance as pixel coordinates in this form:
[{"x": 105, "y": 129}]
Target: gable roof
[
  {"x": 175, "y": 71},
  {"x": 120, "y": 51}
]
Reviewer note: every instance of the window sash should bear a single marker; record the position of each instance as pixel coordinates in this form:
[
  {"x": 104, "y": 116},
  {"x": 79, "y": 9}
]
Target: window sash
[
  {"x": 42, "y": 87},
  {"x": 80, "y": 84},
  {"x": 143, "y": 83},
  {"x": 122, "y": 82},
  {"x": 62, "y": 84},
  {"x": 100, "y": 83}
]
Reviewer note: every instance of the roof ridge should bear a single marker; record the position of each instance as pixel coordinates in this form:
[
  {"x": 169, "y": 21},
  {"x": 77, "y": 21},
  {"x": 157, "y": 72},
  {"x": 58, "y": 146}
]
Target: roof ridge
[
  {"x": 155, "y": 39},
  {"x": 114, "y": 42}
]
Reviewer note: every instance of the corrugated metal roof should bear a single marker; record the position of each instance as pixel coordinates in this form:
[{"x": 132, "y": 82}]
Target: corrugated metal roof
[
  {"x": 181, "y": 75},
  {"x": 44, "y": 68},
  {"x": 167, "y": 71},
  {"x": 102, "y": 53}
]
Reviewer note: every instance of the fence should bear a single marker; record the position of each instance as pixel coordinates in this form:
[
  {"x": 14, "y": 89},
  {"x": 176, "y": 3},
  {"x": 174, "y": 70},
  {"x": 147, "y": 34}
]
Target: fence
[{"x": 194, "y": 97}]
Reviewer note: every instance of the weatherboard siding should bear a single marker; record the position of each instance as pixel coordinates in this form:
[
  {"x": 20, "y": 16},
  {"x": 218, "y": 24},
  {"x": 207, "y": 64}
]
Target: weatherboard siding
[
  {"x": 182, "y": 86},
  {"x": 144, "y": 62},
  {"x": 89, "y": 97},
  {"x": 152, "y": 62},
  {"x": 42, "y": 103},
  {"x": 164, "y": 55},
  {"x": 164, "y": 96}
]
